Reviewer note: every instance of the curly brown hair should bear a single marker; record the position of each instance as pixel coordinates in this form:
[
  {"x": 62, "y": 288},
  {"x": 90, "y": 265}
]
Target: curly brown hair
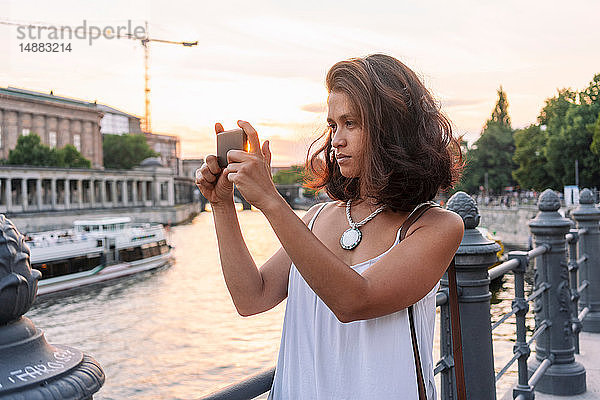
[{"x": 410, "y": 153}]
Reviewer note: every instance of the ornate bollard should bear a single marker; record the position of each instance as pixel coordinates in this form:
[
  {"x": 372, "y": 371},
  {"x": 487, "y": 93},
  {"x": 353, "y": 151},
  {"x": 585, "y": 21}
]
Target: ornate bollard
[
  {"x": 587, "y": 216},
  {"x": 473, "y": 258},
  {"x": 30, "y": 368},
  {"x": 565, "y": 376}
]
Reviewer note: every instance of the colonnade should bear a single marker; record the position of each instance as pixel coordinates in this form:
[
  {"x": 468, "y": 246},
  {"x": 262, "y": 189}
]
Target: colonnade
[{"x": 43, "y": 189}]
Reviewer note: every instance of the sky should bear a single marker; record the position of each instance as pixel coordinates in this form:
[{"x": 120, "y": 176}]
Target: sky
[{"x": 265, "y": 61}]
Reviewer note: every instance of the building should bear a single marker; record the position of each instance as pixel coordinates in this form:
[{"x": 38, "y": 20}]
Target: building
[
  {"x": 189, "y": 167},
  {"x": 167, "y": 146},
  {"x": 57, "y": 120},
  {"x": 44, "y": 198},
  {"x": 117, "y": 122},
  {"x": 61, "y": 120}
]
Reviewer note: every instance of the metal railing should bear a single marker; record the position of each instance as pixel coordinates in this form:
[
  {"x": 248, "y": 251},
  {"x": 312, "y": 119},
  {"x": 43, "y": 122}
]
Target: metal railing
[{"x": 566, "y": 268}]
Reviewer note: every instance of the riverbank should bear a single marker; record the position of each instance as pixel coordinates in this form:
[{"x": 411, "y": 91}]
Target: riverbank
[
  {"x": 589, "y": 344},
  {"x": 56, "y": 220}
]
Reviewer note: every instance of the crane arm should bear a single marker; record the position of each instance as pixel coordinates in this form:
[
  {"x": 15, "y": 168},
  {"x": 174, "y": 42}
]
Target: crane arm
[{"x": 146, "y": 40}]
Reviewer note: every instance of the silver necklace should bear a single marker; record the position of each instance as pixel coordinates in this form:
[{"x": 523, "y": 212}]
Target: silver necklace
[{"x": 352, "y": 236}]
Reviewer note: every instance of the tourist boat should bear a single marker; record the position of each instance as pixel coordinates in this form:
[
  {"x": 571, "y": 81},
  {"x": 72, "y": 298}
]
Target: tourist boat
[{"x": 96, "y": 251}]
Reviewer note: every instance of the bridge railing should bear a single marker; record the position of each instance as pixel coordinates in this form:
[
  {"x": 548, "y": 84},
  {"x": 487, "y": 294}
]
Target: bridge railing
[{"x": 566, "y": 267}]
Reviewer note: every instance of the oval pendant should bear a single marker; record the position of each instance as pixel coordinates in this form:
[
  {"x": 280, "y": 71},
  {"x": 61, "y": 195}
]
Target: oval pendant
[{"x": 350, "y": 238}]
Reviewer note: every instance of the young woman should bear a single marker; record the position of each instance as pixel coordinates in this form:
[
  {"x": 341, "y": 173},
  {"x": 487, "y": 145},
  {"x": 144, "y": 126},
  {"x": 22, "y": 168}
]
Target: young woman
[{"x": 348, "y": 278}]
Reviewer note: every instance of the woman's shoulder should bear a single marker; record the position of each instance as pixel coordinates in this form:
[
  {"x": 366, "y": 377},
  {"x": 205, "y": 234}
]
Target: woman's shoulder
[
  {"x": 316, "y": 208},
  {"x": 441, "y": 220}
]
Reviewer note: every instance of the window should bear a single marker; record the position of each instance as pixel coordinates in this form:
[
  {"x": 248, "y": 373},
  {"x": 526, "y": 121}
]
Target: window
[
  {"x": 25, "y": 131},
  {"x": 114, "y": 124},
  {"x": 77, "y": 142},
  {"x": 52, "y": 139}
]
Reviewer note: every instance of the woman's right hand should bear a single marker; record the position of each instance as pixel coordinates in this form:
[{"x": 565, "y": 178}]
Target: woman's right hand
[{"x": 211, "y": 180}]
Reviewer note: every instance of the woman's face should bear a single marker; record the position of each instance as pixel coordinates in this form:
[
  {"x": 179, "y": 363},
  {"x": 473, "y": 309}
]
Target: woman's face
[{"x": 346, "y": 134}]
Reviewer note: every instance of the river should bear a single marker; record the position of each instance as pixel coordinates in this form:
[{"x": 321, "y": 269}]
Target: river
[{"x": 174, "y": 333}]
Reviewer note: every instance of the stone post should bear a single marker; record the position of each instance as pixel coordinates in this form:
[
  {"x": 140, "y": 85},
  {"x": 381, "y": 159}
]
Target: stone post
[
  {"x": 79, "y": 193},
  {"x": 24, "y": 194},
  {"x": 565, "y": 377},
  {"x": 587, "y": 216},
  {"x": 92, "y": 190},
  {"x": 144, "y": 194},
  {"x": 124, "y": 192},
  {"x": 134, "y": 193},
  {"x": 113, "y": 187},
  {"x": 103, "y": 192},
  {"x": 53, "y": 192},
  {"x": 156, "y": 192},
  {"x": 30, "y": 367},
  {"x": 171, "y": 191},
  {"x": 39, "y": 193},
  {"x": 8, "y": 193},
  {"x": 473, "y": 258},
  {"x": 67, "y": 194}
]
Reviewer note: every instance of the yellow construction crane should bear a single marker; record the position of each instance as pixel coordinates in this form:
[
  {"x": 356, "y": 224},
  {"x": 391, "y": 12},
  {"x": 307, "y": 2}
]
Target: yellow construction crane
[{"x": 145, "y": 42}]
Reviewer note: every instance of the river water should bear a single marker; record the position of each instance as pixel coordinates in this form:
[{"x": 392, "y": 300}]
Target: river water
[{"x": 174, "y": 333}]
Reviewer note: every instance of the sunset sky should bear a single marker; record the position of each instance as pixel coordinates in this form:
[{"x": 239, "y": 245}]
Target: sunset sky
[{"x": 265, "y": 61}]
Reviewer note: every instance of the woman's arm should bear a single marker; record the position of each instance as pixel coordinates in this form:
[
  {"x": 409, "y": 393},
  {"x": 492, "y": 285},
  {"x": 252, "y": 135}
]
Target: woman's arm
[
  {"x": 400, "y": 278},
  {"x": 252, "y": 290}
]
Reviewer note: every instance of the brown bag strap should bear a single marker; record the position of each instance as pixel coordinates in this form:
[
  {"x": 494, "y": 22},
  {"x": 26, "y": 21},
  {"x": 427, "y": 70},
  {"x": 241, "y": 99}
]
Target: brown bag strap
[
  {"x": 412, "y": 217},
  {"x": 459, "y": 368},
  {"x": 454, "y": 316},
  {"x": 415, "y": 215},
  {"x": 415, "y": 345}
]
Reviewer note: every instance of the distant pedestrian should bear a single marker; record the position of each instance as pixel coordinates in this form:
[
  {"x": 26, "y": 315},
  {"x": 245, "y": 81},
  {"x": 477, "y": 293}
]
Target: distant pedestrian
[{"x": 352, "y": 283}]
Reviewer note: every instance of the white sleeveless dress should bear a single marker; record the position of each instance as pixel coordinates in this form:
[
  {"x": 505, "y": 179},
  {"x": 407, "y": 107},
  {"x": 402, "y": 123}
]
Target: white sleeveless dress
[{"x": 321, "y": 358}]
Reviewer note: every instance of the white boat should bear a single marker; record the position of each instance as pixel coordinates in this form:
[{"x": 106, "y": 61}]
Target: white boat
[{"x": 95, "y": 251}]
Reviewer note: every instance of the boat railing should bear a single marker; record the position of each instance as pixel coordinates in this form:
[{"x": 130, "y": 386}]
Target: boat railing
[
  {"x": 566, "y": 286},
  {"x": 48, "y": 240}
]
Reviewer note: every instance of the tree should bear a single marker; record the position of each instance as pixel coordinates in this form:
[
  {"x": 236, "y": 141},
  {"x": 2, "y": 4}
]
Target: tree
[
  {"x": 531, "y": 159},
  {"x": 294, "y": 174},
  {"x": 595, "y": 146},
  {"x": 571, "y": 135},
  {"x": 500, "y": 113},
  {"x": 492, "y": 153},
  {"x": 125, "y": 151},
  {"x": 31, "y": 151},
  {"x": 69, "y": 157}
]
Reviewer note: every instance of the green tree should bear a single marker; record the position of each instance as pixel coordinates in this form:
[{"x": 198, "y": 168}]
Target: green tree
[
  {"x": 529, "y": 154},
  {"x": 69, "y": 157},
  {"x": 595, "y": 146},
  {"x": 570, "y": 137},
  {"x": 31, "y": 151},
  {"x": 125, "y": 151},
  {"x": 294, "y": 174},
  {"x": 492, "y": 153},
  {"x": 500, "y": 113}
]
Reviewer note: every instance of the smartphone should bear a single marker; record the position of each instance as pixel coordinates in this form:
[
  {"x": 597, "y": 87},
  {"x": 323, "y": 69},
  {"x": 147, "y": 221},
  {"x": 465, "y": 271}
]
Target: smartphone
[{"x": 235, "y": 139}]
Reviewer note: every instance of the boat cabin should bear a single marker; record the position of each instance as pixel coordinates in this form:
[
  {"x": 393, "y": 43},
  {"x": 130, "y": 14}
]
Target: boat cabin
[{"x": 103, "y": 225}]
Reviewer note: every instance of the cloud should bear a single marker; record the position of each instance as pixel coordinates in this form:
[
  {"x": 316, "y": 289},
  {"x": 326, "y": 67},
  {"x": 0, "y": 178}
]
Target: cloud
[
  {"x": 462, "y": 102},
  {"x": 285, "y": 150},
  {"x": 314, "y": 107}
]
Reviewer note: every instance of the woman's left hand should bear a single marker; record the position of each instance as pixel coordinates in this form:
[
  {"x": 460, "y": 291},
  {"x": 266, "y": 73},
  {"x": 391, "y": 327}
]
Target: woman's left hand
[{"x": 251, "y": 171}]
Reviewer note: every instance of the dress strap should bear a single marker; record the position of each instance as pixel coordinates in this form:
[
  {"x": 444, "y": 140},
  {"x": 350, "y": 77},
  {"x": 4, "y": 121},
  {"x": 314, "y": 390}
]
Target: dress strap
[{"x": 312, "y": 220}]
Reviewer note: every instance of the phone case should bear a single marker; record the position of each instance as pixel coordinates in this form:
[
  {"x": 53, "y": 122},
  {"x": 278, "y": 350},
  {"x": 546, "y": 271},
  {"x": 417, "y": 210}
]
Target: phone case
[{"x": 234, "y": 139}]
